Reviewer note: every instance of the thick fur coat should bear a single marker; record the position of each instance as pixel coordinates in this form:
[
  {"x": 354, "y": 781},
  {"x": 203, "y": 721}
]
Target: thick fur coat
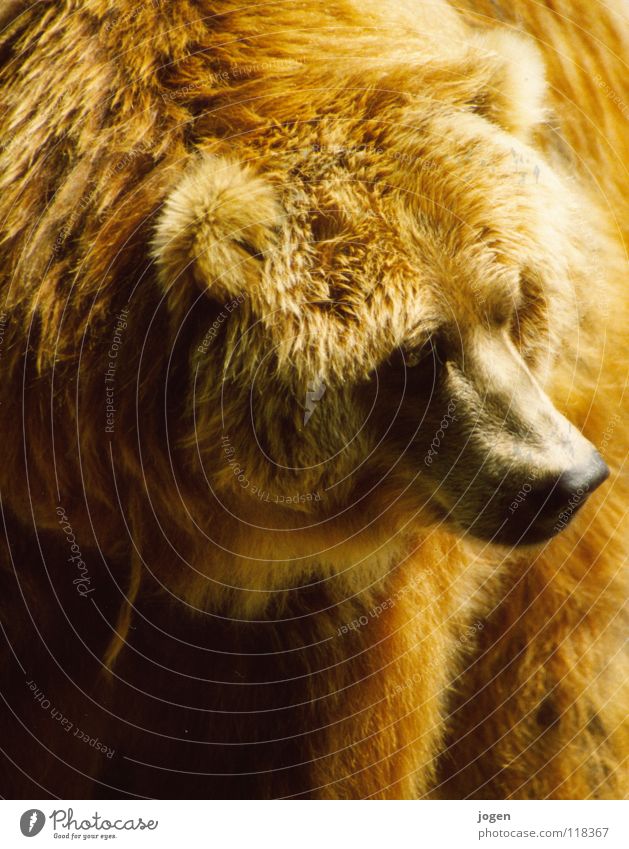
[{"x": 246, "y": 551}]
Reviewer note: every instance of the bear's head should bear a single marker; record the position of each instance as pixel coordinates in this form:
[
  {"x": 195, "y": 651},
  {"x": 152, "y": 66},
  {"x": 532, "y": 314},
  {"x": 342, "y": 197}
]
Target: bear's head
[{"x": 389, "y": 294}]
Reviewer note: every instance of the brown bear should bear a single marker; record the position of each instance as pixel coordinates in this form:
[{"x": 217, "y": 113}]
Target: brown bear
[{"x": 312, "y": 360}]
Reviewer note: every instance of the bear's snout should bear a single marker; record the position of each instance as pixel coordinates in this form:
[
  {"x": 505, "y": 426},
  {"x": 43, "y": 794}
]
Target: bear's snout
[
  {"x": 543, "y": 508},
  {"x": 511, "y": 468}
]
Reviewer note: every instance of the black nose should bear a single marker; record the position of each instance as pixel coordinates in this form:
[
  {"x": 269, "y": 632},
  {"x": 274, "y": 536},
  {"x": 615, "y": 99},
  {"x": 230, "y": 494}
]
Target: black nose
[
  {"x": 585, "y": 478},
  {"x": 559, "y": 499},
  {"x": 544, "y": 505}
]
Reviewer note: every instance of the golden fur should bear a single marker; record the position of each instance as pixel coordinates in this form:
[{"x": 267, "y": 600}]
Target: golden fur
[{"x": 261, "y": 207}]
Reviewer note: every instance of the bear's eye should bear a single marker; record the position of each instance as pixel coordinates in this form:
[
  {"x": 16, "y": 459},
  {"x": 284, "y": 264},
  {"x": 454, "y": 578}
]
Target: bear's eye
[
  {"x": 414, "y": 357},
  {"x": 421, "y": 362},
  {"x": 420, "y": 357}
]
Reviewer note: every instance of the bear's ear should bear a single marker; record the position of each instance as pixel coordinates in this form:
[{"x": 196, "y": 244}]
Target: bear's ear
[
  {"x": 215, "y": 229},
  {"x": 514, "y": 91}
]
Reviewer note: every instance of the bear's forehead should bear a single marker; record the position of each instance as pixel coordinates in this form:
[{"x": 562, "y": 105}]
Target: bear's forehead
[
  {"x": 346, "y": 178},
  {"x": 356, "y": 235},
  {"x": 387, "y": 233}
]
